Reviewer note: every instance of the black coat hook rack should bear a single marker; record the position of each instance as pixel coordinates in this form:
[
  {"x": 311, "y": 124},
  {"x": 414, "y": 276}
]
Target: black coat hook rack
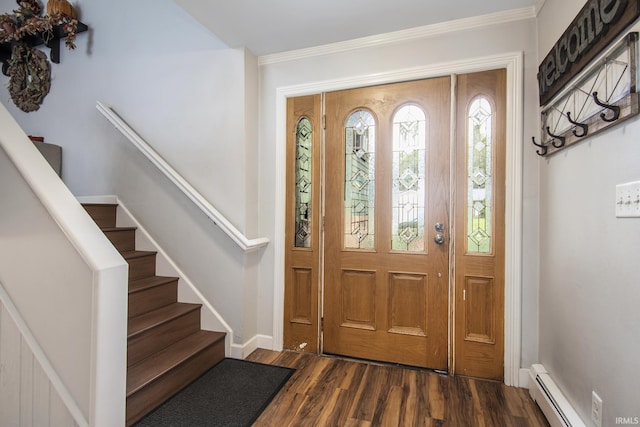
[
  {"x": 604, "y": 95},
  {"x": 614, "y": 108},
  {"x": 560, "y": 138},
  {"x": 543, "y": 147},
  {"x": 584, "y": 127}
]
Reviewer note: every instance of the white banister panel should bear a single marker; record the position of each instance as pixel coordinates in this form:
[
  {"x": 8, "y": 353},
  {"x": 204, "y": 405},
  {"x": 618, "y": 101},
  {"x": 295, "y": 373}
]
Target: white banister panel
[
  {"x": 67, "y": 285},
  {"x": 246, "y": 244},
  {"x": 27, "y": 396}
]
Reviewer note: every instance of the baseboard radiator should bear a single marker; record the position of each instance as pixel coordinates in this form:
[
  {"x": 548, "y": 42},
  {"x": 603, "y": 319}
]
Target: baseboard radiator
[{"x": 552, "y": 402}]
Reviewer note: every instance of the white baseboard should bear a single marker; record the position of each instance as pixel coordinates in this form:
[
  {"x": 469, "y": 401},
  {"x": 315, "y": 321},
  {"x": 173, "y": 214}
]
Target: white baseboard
[
  {"x": 259, "y": 341},
  {"x": 523, "y": 378}
]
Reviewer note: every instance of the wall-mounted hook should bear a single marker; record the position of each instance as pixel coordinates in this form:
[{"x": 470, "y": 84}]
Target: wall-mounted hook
[
  {"x": 614, "y": 108},
  {"x": 585, "y": 128},
  {"x": 543, "y": 146},
  {"x": 558, "y": 137}
]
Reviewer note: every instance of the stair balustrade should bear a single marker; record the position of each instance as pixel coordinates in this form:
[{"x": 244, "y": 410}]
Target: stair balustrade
[{"x": 65, "y": 287}]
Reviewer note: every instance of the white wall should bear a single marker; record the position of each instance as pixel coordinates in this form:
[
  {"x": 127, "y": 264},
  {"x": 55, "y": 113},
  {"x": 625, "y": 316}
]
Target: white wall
[
  {"x": 590, "y": 274},
  {"x": 194, "y": 101},
  {"x": 366, "y": 62}
]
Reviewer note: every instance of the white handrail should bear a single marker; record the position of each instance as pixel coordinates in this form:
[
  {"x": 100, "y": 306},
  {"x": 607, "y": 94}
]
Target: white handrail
[{"x": 246, "y": 244}]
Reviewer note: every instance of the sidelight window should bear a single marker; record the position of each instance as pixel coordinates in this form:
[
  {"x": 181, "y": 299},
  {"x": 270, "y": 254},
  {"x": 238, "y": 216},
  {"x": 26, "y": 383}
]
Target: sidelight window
[
  {"x": 479, "y": 176},
  {"x": 304, "y": 145}
]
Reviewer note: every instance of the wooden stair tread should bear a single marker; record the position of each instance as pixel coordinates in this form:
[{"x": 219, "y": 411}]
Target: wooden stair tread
[
  {"x": 106, "y": 229},
  {"x": 153, "y": 367},
  {"x": 149, "y": 282},
  {"x": 127, "y": 255},
  {"x": 159, "y": 316}
]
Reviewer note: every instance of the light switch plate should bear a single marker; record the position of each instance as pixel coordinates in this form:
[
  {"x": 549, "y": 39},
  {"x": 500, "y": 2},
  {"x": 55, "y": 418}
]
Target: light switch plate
[{"x": 628, "y": 200}]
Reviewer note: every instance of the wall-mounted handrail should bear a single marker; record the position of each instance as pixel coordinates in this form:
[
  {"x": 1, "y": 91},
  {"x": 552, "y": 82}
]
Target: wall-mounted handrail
[{"x": 246, "y": 244}]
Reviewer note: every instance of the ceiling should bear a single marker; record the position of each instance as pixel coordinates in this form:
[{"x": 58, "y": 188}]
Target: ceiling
[{"x": 273, "y": 26}]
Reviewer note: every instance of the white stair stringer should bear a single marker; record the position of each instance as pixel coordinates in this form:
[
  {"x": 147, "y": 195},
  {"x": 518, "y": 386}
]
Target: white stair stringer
[{"x": 211, "y": 320}]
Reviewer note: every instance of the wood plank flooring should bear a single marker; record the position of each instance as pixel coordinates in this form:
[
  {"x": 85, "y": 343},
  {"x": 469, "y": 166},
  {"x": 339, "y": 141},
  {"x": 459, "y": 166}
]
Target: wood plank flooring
[{"x": 328, "y": 391}]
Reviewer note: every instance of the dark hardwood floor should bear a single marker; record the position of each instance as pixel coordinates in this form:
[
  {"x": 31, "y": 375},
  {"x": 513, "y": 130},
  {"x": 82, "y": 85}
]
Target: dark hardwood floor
[{"x": 328, "y": 391}]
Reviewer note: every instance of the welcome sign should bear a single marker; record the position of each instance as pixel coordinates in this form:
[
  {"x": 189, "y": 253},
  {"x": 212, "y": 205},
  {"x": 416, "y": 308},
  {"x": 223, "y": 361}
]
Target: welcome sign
[{"x": 596, "y": 26}]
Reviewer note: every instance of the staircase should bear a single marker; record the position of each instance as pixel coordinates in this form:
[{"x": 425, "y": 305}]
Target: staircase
[{"x": 166, "y": 349}]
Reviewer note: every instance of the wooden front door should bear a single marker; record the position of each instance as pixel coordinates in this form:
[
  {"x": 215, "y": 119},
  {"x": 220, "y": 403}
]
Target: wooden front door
[
  {"x": 376, "y": 269},
  {"x": 386, "y": 223}
]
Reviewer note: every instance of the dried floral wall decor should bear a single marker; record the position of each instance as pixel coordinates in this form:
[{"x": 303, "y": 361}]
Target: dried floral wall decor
[
  {"x": 28, "y": 68},
  {"x": 30, "y": 77},
  {"x": 26, "y": 21}
]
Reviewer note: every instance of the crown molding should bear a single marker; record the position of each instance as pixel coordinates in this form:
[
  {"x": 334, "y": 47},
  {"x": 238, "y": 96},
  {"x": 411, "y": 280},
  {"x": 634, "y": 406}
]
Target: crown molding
[
  {"x": 405, "y": 35},
  {"x": 539, "y": 5}
]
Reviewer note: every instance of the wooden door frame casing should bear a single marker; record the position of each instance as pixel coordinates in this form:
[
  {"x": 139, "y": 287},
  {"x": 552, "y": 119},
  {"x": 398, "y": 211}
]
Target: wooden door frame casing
[{"x": 513, "y": 63}]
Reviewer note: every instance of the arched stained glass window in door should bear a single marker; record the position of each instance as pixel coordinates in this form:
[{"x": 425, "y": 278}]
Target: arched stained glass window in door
[
  {"x": 359, "y": 188},
  {"x": 304, "y": 146},
  {"x": 409, "y": 179}
]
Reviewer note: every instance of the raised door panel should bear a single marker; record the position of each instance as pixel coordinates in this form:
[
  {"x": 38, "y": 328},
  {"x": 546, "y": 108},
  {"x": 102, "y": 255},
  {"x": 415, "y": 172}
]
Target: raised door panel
[
  {"x": 408, "y": 304},
  {"x": 302, "y": 296},
  {"x": 479, "y": 308},
  {"x": 358, "y": 299}
]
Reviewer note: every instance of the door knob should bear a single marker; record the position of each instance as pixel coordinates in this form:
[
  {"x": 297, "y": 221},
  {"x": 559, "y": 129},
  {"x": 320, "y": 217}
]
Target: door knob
[
  {"x": 439, "y": 227},
  {"x": 439, "y": 239}
]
